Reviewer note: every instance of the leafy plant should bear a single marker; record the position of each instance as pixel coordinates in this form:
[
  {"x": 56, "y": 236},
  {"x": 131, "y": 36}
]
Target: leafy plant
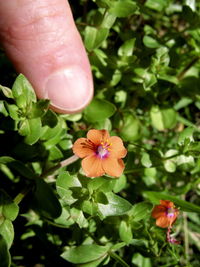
[{"x": 145, "y": 61}]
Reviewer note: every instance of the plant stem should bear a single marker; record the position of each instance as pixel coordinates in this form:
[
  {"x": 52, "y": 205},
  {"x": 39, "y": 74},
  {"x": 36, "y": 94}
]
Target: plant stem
[
  {"x": 118, "y": 259},
  {"x": 62, "y": 164},
  {"x": 186, "y": 236},
  {"x": 187, "y": 67},
  {"x": 22, "y": 194}
]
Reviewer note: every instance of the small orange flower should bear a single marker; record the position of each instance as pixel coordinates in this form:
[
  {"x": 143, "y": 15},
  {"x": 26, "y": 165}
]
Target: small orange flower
[
  {"x": 101, "y": 153},
  {"x": 165, "y": 213}
]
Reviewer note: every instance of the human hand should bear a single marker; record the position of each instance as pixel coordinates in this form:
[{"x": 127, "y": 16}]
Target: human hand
[{"x": 42, "y": 41}]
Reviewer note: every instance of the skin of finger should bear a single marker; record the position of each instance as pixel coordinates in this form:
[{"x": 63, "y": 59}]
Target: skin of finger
[{"x": 40, "y": 37}]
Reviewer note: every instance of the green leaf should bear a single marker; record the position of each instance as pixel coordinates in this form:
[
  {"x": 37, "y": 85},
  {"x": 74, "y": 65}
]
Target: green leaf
[
  {"x": 72, "y": 117},
  {"x": 120, "y": 183},
  {"x": 63, "y": 183},
  {"x": 157, "y": 5},
  {"x": 163, "y": 118},
  {"x": 145, "y": 160},
  {"x": 155, "y": 197},
  {"x": 99, "y": 110},
  {"x": 85, "y": 253},
  {"x": 182, "y": 103},
  {"x": 130, "y": 129},
  {"x": 7, "y": 231},
  {"x": 3, "y": 108},
  {"x": 187, "y": 133},
  {"x": 45, "y": 200},
  {"x": 127, "y": 48},
  {"x": 141, "y": 261},
  {"x": 23, "y": 92},
  {"x": 170, "y": 166},
  {"x": 125, "y": 232},
  {"x": 108, "y": 20},
  {"x": 5, "y": 258},
  {"x": 35, "y": 130},
  {"x": 64, "y": 220},
  {"x": 95, "y": 184},
  {"x": 94, "y": 37},
  {"x": 55, "y": 154},
  {"x": 117, "y": 246},
  {"x": 94, "y": 263},
  {"x": 6, "y": 159},
  {"x": 105, "y": 124},
  {"x": 50, "y": 119},
  {"x": 24, "y": 128},
  {"x": 13, "y": 111},
  {"x": 9, "y": 208},
  {"x": 193, "y": 149},
  {"x": 89, "y": 207},
  {"x": 101, "y": 198},
  {"x": 54, "y": 140},
  {"x": 123, "y": 8},
  {"x": 22, "y": 169},
  {"x": 140, "y": 211},
  {"x": 38, "y": 109},
  {"x": 150, "y": 42},
  {"x": 116, "y": 205},
  {"x": 78, "y": 217},
  {"x": 6, "y": 91}
]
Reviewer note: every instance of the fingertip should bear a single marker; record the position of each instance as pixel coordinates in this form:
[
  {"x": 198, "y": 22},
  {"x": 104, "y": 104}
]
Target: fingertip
[{"x": 69, "y": 90}]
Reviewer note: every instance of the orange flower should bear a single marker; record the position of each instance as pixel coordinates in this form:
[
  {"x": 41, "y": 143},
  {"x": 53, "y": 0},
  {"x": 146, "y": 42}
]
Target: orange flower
[
  {"x": 165, "y": 213},
  {"x": 101, "y": 153}
]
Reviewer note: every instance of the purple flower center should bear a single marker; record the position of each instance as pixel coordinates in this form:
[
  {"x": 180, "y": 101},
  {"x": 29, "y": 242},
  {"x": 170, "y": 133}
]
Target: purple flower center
[
  {"x": 170, "y": 212},
  {"x": 103, "y": 150}
]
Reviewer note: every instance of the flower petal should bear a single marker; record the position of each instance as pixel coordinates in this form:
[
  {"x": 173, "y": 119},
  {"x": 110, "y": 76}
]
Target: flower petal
[
  {"x": 163, "y": 222},
  {"x": 82, "y": 150},
  {"x": 117, "y": 148},
  {"x": 92, "y": 166},
  {"x": 98, "y": 136},
  {"x": 158, "y": 211},
  {"x": 167, "y": 203},
  {"x": 113, "y": 167}
]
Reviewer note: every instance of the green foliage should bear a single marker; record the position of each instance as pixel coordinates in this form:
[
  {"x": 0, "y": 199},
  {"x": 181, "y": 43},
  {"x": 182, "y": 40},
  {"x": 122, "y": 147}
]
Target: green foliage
[
  {"x": 5, "y": 258},
  {"x": 85, "y": 253},
  {"x": 99, "y": 110},
  {"x": 145, "y": 61}
]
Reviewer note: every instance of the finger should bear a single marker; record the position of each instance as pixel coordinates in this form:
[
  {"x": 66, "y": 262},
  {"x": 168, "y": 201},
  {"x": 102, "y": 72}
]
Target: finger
[{"x": 42, "y": 41}]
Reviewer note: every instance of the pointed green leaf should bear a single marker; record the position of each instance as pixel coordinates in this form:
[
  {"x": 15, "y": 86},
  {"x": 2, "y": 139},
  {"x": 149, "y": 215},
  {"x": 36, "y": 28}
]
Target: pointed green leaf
[
  {"x": 45, "y": 200},
  {"x": 116, "y": 205},
  {"x": 9, "y": 208},
  {"x": 85, "y": 253},
  {"x": 23, "y": 92},
  {"x": 94, "y": 37},
  {"x": 99, "y": 110},
  {"x": 7, "y": 231},
  {"x": 35, "y": 127},
  {"x": 125, "y": 232},
  {"x": 130, "y": 130},
  {"x": 5, "y": 258},
  {"x": 123, "y": 8}
]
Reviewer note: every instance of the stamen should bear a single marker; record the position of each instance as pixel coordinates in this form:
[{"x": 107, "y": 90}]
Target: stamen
[
  {"x": 170, "y": 212},
  {"x": 103, "y": 149}
]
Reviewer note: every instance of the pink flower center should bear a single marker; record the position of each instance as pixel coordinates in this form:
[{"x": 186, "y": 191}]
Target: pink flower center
[
  {"x": 103, "y": 150},
  {"x": 171, "y": 212}
]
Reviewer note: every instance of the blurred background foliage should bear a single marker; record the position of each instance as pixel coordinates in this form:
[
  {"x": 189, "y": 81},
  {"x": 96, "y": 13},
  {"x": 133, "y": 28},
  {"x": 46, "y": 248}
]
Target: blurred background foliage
[{"x": 145, "y": 61}]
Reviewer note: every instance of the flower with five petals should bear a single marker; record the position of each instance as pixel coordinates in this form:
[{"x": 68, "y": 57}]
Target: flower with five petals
[
  {"x": 101, "y": 153},
  {"x": 165, "y": 213}
]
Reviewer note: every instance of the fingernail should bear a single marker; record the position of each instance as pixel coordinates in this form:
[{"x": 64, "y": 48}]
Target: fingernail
[{"x": 69, "y": 90}]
